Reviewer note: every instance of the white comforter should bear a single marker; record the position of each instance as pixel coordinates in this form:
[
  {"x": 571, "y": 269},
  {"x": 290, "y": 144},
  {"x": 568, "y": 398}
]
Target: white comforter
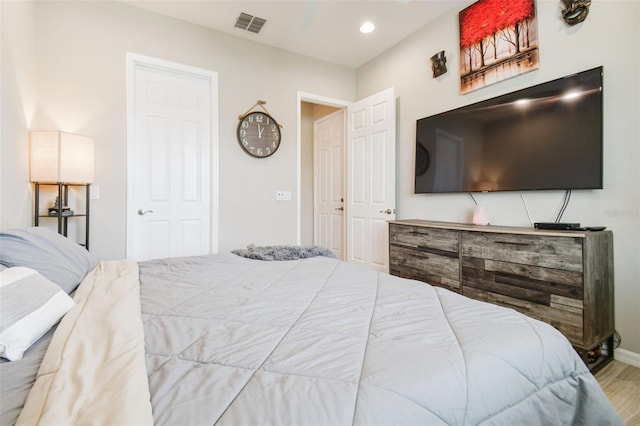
[
  {"x": 233, "y": 341},
  {"x": 94, "y": 370}
]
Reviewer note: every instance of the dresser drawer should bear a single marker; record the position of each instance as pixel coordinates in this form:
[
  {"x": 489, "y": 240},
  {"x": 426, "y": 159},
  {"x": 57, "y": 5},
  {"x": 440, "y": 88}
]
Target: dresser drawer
[
  {"x": 564, "y": 314},
  {"x": 564, "y": 253},
  {"x": 424, "y": 238},
  {"x": 419, "y": 264}
]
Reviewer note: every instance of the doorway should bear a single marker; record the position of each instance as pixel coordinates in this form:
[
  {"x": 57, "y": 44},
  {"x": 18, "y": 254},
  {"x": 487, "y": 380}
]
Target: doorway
[
  {"x": 310, "y": 108},
  {"x": 368, "y": 176}
]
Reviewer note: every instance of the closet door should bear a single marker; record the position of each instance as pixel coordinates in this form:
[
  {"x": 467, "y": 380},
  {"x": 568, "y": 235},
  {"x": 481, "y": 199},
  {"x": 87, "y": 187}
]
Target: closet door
[{"x": 169, "y": 171}]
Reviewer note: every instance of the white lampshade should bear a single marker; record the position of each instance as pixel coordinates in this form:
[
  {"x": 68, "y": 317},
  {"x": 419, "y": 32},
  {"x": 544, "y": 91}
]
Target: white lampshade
[{"x": 61, "y": 157}]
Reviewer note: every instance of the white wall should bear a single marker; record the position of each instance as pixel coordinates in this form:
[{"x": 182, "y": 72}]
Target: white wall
[
  {"x": 17, "y": 107},
  {"x": 78, "y": 68},
  {"x": 608, "y": 37}
]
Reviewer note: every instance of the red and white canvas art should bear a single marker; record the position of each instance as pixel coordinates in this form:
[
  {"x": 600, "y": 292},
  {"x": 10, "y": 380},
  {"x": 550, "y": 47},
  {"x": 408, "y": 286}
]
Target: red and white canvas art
[{"x": 498, "y": 40}]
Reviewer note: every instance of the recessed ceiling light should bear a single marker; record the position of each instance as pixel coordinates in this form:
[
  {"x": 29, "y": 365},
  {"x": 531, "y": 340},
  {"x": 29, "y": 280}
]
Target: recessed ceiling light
[{"x": 367, "y": 27}]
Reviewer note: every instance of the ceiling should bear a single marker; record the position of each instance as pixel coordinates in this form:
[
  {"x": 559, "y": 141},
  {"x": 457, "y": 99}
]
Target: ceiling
[{"x": 324, "y": 29}]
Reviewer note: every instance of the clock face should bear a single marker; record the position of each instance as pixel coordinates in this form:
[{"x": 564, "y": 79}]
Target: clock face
[{"x": 259, "y": 134}]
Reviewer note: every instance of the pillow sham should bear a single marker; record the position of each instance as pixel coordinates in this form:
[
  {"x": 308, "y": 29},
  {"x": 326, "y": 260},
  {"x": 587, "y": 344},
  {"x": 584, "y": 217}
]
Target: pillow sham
[
  {"x": 30, "y": 305},
  {"x": 56, "y": 257}
]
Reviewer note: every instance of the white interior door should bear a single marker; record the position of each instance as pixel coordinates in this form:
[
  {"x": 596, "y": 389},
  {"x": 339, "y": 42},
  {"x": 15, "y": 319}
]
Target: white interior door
[
  {"x": 371, "y": 160},
  {"x": 329, "y": 182},
  {"x": 169, "y": 161}
]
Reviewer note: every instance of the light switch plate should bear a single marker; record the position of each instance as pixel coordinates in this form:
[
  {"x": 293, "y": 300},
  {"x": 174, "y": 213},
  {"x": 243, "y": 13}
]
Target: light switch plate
[{"x": 94, "y": 192}]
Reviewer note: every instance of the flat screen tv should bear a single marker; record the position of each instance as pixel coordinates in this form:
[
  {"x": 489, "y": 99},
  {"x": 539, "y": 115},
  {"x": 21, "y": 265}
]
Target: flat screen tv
[{"x": 545, "y": 137}]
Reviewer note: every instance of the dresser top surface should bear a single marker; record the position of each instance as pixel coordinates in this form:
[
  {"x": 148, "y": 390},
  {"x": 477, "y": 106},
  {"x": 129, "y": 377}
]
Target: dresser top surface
[{"x": 494, "y": 229}]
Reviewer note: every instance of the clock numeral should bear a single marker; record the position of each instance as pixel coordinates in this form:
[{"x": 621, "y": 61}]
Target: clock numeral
[
  {"x": 259, "y": 118},
  {"x": 267, "y": 150},
  {"x": 275, "y": 137},
  {"x": 243, "y": 132},
  {"x": 244, "y": 141},
  {"x": 273, "y": 145},
  {"x": 273, "y": 127},
  {"x": 245, "y": 124},
  {"x": 259, "y": 151}
]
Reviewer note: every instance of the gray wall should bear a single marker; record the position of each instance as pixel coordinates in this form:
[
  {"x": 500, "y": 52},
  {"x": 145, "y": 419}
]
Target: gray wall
[{"x": 608, "y": 37}]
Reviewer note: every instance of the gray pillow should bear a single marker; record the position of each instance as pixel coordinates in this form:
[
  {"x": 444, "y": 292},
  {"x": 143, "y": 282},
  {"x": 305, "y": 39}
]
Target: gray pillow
[{"x": 56, "y": 257}]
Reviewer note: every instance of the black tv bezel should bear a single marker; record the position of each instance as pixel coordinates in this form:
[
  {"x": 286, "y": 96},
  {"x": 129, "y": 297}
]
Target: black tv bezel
[{"x": 516, "y": 94}]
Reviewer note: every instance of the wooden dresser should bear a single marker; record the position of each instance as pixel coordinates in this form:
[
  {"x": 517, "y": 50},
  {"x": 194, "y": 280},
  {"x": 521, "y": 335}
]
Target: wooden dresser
[{"x": 564, "y": 278}]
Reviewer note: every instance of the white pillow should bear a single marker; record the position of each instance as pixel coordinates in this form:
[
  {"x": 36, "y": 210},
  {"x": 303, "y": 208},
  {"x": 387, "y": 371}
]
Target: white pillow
[{"x": 30, "y": 305}]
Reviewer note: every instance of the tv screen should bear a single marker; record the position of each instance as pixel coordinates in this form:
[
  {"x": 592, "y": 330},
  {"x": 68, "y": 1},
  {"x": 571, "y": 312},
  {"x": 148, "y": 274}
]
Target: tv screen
[{"x": 543, "y": 137}]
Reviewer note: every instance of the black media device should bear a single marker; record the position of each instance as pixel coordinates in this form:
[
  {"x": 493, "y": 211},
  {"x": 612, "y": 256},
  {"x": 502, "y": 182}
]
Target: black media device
[
  {"x": 545, "y": 137},
  {"x": 557, "y": 226}
]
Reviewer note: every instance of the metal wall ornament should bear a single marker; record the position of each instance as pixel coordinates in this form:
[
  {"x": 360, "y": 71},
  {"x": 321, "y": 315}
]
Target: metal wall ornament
[
  {"x": 575, "y": 11},
  {"x": 439, "y": 64}
]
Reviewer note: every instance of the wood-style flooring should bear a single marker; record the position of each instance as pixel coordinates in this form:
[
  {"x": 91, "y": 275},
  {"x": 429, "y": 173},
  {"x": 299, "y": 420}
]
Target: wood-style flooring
[{"x": 621, "y": 383}]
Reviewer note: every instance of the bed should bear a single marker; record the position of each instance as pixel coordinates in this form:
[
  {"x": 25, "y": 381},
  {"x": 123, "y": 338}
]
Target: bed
[{"x": 227, "y": 340}]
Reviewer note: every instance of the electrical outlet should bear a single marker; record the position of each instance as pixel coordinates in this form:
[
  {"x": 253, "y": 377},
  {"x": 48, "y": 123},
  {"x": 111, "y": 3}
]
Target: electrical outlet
[
  {"x": 283, "y": 195},
  {"x": 94, "y": 192}
]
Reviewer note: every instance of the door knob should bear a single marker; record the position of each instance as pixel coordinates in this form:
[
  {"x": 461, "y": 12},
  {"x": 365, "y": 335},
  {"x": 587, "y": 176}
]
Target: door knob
[
  {"x": 339, "y": 208},
  {"x": 387, "y": 211},
  {"x": 143, "y": 212}
]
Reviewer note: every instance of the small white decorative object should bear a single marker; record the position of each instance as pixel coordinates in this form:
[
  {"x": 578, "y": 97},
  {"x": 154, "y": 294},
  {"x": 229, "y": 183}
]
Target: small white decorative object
[{"x": 480, "y": 216}]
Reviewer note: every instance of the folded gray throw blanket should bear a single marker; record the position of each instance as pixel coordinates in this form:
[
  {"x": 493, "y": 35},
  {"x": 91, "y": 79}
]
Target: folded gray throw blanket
[{"x": 282, "y": 252}]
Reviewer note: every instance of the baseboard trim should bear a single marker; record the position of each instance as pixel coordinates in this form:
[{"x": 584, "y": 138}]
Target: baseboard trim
[{"x": 627, "y": 357}]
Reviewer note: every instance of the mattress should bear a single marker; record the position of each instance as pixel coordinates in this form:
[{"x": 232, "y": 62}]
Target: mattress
[{"x": 234, "y": 341}]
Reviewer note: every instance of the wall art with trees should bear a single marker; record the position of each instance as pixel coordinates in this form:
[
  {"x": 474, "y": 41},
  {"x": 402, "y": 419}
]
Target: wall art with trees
[{"x": 498, "y": 40}]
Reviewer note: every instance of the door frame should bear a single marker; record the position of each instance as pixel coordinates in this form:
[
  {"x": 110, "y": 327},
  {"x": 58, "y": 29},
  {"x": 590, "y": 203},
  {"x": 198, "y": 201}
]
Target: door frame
[
  {"x": 133, "y": 61},
  {"x": 313, "y": 99}
]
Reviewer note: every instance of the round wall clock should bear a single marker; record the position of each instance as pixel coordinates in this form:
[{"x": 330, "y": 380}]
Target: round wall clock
[{"x": 258, "y": 134}]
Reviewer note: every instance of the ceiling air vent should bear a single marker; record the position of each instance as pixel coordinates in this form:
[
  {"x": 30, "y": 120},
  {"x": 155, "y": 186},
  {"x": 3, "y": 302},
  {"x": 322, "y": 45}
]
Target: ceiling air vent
[{"x": 249, "y": 23}]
